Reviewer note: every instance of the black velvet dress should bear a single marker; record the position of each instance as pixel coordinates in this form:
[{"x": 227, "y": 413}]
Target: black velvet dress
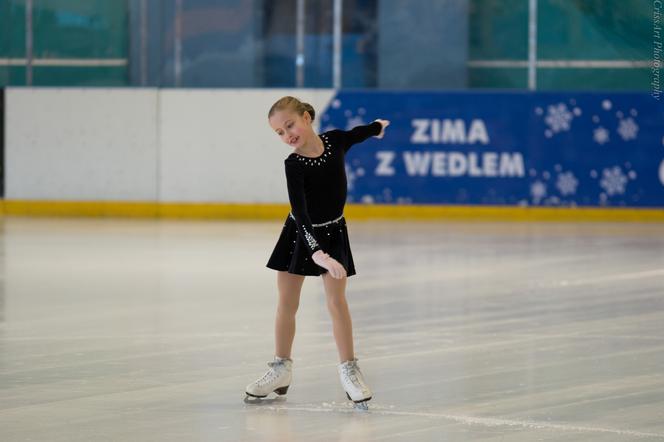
[{"x": 317, "y": 190}]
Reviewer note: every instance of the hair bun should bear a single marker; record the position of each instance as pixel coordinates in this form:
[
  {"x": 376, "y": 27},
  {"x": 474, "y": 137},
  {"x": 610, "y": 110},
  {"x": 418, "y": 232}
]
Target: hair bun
[{"x": 309, "y": 108}]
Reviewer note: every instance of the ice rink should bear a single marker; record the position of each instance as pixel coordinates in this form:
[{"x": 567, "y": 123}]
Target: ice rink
[{"x": 147, "y": 330}]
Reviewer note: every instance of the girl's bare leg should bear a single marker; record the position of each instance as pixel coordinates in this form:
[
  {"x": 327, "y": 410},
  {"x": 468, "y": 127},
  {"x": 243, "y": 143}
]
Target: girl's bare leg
[
  {"x": 335, "y": 290},
  {"x": 289, "y": 286}
]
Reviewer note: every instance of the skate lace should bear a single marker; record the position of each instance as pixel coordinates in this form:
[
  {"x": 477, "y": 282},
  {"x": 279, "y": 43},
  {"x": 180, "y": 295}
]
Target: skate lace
[
  {"x": 271, "y": 374},
  {"x": 351, "y": 371}
]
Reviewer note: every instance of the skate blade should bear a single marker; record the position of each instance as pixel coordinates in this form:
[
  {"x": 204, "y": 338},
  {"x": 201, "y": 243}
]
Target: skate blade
[
  {"x": 361, "y": 405},
  {"x": 261, "y": 401}
]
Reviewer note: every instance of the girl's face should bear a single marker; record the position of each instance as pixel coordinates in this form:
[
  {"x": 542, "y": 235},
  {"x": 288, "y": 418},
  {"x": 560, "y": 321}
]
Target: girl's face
[{"x": 292, "y": 128}]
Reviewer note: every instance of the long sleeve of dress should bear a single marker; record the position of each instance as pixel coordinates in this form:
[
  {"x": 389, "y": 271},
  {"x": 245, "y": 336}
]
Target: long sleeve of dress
[
  {"x": 361, "y": 133},
  {"x": 298, "y": 202}
]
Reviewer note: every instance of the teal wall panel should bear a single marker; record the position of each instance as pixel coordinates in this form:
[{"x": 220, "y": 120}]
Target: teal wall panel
[
  {"x": 12, "y": 29},
  {"x": 594, "y": 29},
  {"x": 76, "y": 29},
  {"x": 491, "y": 78},
  {"x": 567, "y": 30},
  {"x": 223, "y": 33},
  {"x": 80, "y": 76},
  {"x": 594, "y": 79},
  {"x": 65, "y": 29},
  {"x": 498, "y": 29}
]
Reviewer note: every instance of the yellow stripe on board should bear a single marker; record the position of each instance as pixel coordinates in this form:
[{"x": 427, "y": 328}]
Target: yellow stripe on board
[{"x": 352, "y": 211}]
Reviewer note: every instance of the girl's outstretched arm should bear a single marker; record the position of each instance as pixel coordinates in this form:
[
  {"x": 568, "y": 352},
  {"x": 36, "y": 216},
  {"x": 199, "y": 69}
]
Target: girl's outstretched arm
[{"x": 360, "y": 133}]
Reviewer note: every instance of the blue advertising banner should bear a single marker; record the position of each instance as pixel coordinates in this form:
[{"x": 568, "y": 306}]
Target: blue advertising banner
[{"x": 522, "y": 149}]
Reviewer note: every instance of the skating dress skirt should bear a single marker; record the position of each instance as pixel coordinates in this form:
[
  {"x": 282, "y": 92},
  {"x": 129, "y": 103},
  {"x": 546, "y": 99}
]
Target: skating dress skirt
[{"x": 291, "y": 254}]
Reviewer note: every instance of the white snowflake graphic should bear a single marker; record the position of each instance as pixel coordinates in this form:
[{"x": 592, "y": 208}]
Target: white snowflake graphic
[
  {"x": 558, "y": 118},
  {"x": 613, "y": 181},
  {"x": 567, "y": 183},
  {"x": 537, "y": 191},
  {"x": 601, "y": 135},
  {"x": 628, "y": 129},
  {"x": 351, "y": 122}
]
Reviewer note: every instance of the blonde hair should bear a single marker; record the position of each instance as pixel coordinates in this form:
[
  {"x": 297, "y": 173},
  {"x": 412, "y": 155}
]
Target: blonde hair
[{"x": 292, "y": 104}]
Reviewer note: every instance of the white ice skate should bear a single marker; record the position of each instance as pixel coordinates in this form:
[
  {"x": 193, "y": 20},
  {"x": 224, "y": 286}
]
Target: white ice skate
[
  {"x": 277, "y": 379},
  {"x": 353, "y": 383}
]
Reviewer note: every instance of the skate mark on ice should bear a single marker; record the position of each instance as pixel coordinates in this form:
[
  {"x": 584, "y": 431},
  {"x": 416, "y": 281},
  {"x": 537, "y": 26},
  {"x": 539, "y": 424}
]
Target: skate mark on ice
[{"x": 473, "y": 420}]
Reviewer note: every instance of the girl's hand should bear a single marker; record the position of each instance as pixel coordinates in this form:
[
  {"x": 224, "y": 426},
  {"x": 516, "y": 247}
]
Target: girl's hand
[
  {"x": 383, "y": 123},
  {"x": 324, "y": 260}
]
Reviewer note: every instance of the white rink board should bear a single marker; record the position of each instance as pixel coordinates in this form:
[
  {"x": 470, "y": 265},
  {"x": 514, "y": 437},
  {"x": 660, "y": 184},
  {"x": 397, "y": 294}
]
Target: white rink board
[
  {"x": 81, "y": 144},
  {"x": 146, "y": 145},
  {"x": 216, "y": 145}
]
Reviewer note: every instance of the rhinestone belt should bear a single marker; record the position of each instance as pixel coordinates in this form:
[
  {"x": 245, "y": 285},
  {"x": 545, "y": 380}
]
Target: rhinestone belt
[{"x": 321, "y": 224}]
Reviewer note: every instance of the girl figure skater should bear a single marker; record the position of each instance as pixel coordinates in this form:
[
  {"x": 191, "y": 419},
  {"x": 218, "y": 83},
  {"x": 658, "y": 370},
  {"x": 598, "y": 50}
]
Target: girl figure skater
[{"x": 314, "y": 241}]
